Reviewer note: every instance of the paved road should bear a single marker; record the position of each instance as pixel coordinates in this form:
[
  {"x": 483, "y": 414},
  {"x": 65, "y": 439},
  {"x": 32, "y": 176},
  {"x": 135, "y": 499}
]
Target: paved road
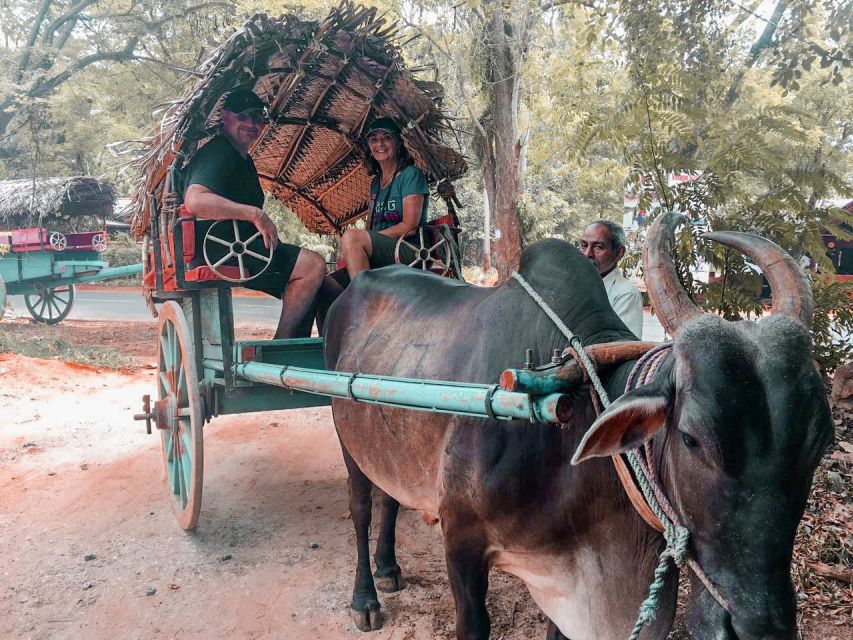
[{"x": 108, "y": 304}]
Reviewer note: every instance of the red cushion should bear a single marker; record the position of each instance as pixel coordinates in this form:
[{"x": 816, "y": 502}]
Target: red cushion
[{"x": 205, "y": 273}]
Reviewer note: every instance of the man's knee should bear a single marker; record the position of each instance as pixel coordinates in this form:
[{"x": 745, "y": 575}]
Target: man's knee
[{"x": 311, "y": 266}]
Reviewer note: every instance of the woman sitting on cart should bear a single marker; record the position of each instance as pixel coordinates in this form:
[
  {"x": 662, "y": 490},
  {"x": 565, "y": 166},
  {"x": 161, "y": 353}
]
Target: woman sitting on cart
[{"x": 399, "y": 198}]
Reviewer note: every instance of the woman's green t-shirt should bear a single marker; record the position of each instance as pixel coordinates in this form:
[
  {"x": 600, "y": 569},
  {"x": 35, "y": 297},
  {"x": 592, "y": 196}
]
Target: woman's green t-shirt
[{"x": 387, "y": 202}]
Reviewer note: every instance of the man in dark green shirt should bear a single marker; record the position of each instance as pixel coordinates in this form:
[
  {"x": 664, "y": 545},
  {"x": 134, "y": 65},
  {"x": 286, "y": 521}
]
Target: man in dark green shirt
[{"x": 222, "y": 184}]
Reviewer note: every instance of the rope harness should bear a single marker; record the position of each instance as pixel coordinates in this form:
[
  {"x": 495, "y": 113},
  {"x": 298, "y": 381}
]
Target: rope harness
[{"x": 655, "y": 501}]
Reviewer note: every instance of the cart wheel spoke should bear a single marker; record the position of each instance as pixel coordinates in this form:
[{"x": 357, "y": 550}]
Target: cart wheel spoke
[
  {"x": 437, "y": 245},
  {"x": 218, "y": 240},
  {"x": 257, "y": 256},
  {"x": 54, "y": 305},
  {"x": 219, "y": 262},
  {"x": 254, "y": 237},
  {"x": 42, "y": 306},
  {"x": 236, "y": 231},
  {"x": 181, "y": 387},
  {"x": 241, "y": 267}
]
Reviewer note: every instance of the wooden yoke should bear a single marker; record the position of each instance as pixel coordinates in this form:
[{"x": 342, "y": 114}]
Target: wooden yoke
[{"x": 562, "y": 378}]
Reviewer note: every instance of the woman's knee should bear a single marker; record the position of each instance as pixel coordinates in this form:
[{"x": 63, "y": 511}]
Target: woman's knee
[{"x": 354, "y": 240}]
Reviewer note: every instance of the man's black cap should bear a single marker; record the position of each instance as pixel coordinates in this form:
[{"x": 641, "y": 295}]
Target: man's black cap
[
  {"x": 241, "y": 100},
  {"x": 383, "y": 124}
]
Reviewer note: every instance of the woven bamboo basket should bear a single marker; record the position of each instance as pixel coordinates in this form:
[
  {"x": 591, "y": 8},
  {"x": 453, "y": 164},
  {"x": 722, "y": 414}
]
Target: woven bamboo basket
[{"x": 323, "y": 83}]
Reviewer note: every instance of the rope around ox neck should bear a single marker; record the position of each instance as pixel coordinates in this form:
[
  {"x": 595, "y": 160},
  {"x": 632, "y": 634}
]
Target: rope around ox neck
[{"x": 676, "y": 536}]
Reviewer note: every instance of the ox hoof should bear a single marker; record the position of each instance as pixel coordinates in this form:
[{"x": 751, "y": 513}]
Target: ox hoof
[
  {"x": 389, "y": 581},
  {"x": 370, "y": 620}
]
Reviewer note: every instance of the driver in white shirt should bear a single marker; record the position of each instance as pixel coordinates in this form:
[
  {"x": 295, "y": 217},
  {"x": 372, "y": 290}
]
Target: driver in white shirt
[{"x": 603, "y": 242}]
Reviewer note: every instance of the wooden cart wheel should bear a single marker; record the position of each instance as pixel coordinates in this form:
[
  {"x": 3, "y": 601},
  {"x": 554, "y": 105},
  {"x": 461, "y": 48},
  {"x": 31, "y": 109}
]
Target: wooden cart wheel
[
  {"x": 2, "y": 298},
  {"x": 238, "y": 250},
  {"x": 424, "y": 259},
  {"x": 50, "y": 305},
  {"x": 179, "y": 406},
  {"x": 57, "y": 241},
  {"x": 99, "y": 242}
]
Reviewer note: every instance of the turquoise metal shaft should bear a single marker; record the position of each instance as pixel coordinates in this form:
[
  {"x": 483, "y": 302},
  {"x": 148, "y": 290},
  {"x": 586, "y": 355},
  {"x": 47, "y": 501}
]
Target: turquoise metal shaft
[
  {"x": 115, "y": 272},
  {"x": 422, "y": 395}
]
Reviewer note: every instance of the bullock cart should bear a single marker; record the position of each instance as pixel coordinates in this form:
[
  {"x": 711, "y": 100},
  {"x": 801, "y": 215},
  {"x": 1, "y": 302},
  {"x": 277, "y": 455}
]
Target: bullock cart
[
  {"x": 44, "y": 266},
  {"x": 324, "y": 83}
]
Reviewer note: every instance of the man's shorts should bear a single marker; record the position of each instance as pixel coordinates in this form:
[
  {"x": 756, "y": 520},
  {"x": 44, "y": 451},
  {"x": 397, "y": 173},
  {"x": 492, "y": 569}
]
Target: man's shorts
[{"x": 276, "y": 276}]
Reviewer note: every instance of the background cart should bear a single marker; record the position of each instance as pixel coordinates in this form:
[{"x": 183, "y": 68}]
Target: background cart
[{"x": 44, "y": 266}]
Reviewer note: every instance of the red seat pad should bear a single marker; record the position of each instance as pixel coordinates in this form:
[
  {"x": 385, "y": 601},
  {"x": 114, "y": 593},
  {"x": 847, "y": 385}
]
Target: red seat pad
[{"x": 205, "y": 273}]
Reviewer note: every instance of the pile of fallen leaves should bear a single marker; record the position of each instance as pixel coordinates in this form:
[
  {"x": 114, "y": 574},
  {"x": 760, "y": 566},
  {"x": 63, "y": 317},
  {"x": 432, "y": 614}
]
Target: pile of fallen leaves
[{"x": 823, "y": 549}]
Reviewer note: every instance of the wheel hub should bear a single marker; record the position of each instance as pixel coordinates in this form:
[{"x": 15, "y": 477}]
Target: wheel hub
[{"x": 165, "y": 413}]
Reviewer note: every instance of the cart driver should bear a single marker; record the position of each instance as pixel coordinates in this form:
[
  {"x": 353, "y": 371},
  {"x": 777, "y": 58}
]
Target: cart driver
[
  {"x": 222, "y": 184},
  {"x": 603, "y": 242}
]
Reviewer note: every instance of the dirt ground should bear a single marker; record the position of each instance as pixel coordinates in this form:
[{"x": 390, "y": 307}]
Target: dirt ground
[{"x": 91, "y": 548}]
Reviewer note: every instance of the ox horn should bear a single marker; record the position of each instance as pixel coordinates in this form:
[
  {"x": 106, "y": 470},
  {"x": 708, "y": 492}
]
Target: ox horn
[
  {"x": 667, "y": 296},
  {"x": 792, "y": 294}
]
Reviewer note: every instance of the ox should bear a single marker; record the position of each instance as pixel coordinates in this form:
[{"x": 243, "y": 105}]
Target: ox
[{"x": 737, "y": 417}]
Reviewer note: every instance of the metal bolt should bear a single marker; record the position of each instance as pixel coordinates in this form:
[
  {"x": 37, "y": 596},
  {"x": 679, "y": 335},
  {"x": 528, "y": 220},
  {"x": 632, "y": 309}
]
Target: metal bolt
[
  {"x": 556, "y": 357},
  {"x": 528, "y": 358}
]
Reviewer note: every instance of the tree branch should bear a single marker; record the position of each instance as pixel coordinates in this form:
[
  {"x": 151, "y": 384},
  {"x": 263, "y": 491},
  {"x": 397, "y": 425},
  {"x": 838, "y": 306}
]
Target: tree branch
[
  {"x": 124, "y": 55},
  {"x": 24, "y": 62},
  {"x": 72, "y": 15}
]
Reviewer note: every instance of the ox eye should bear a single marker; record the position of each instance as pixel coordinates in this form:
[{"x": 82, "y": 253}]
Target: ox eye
[{"x": 689, "y": 440}]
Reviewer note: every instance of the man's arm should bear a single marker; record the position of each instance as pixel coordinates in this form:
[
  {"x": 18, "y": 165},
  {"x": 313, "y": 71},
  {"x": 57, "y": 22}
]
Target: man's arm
[{"x": 204, "y": 203}]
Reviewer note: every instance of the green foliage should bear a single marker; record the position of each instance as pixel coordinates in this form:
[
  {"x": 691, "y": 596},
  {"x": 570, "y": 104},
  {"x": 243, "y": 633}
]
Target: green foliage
[
  {"x": 832, "y": 330},
  {"x": 122, "y": 250},
  {"x": 56, "y": 348}
]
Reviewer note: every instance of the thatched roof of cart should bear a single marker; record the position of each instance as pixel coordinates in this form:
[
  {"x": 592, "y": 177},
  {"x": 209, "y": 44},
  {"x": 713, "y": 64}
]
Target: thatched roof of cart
[
  {"x": 322, "y": 82},
  {"x": 22, "y": 202}
]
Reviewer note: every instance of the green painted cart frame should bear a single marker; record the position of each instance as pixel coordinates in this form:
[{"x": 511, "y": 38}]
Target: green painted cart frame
[{"x": 204, "y": 372}]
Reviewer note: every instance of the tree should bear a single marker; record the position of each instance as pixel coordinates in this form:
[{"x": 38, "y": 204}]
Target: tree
[{"x": 49, "y": 42}]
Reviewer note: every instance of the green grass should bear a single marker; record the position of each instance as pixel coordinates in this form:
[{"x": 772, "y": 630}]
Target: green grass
[{"x": 58, "y": 349}]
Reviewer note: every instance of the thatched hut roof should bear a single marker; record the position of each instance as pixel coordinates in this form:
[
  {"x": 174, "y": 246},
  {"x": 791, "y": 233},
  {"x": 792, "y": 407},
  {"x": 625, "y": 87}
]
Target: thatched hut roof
[
  {"x": 322, "y": 82},
  {"x": 23, "y": 203}
]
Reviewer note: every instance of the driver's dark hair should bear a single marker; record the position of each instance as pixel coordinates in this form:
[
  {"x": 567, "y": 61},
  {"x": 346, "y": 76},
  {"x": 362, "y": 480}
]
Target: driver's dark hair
[
  {"x": 403, "y": 159},
  {"x": 617, "y": 233}
]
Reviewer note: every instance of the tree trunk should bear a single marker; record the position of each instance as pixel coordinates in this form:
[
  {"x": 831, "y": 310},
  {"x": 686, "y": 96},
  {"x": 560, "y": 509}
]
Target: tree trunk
[
  {"x": 487, "y": 230},
  {"x": 505, "y": 45}
]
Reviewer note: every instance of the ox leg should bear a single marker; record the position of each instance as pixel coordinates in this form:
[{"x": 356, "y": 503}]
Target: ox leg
[
  {"x": 553, "y": 633},
  {"x": 365, "y": 602},
  {"x": 469, "y": 581},
  {"x": 387, "y": 577}
]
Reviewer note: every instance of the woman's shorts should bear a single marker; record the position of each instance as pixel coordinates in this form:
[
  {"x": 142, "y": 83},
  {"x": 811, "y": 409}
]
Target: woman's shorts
[
  {"x": 381, "y": 256},
  {"x": 383, "y": 251}
]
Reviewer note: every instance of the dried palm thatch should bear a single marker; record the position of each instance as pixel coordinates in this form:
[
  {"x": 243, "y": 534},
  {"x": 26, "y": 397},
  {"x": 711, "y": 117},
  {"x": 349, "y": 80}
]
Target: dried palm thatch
[
  {"x": 23, "y": 203},
  {"x": 322, "y": 82}
]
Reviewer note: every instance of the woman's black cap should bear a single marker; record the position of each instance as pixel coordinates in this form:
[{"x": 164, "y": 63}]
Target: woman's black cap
[{"x": 383, "y": 124}]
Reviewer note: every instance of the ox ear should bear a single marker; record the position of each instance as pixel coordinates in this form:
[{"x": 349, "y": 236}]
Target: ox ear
[{"x": 626, "y": 424}]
